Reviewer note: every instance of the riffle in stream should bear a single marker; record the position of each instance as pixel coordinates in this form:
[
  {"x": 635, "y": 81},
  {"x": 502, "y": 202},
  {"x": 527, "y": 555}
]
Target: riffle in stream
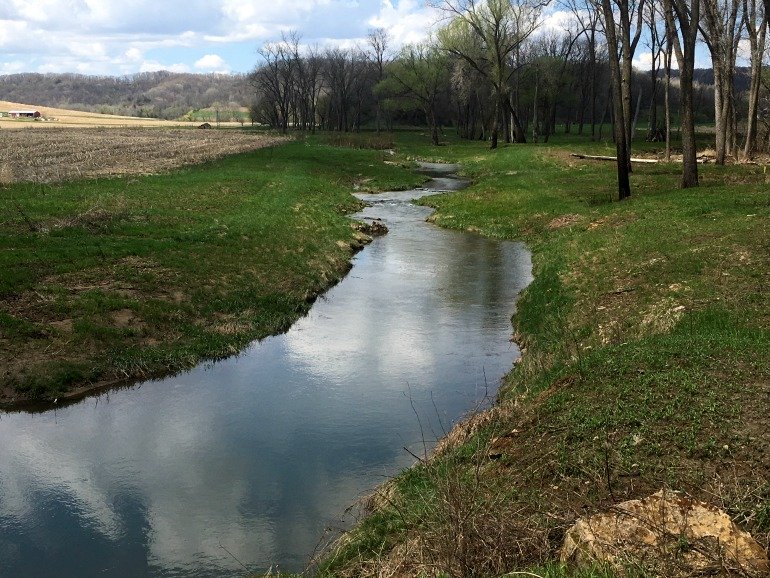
[{"x": 240, "y": 465}]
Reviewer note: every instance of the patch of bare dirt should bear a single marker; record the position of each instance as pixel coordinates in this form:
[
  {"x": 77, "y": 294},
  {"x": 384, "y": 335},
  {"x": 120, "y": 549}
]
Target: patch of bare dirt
[
  {"x": 124, "y": 318},
  {"x": 564, "y": 221}
]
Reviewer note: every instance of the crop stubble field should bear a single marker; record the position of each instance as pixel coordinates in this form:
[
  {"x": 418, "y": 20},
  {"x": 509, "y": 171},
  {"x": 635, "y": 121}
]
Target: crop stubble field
[{"x": 59, "y": 154}]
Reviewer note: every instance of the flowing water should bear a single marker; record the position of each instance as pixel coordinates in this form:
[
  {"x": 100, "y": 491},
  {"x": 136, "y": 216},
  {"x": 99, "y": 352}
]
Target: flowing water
[{"x": 242, "y": 464}]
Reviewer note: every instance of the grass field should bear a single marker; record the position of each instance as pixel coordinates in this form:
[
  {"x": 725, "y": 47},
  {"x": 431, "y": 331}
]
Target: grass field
[
  {"x": 112, "y": 279},
  {"x": 645, "y": 336}
]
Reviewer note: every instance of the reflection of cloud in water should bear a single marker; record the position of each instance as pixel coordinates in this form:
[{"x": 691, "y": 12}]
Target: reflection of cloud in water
[
  {"x": 35, "y": 464},
  {"x": 190, "y": 512},
  {"x": 360, "y": 338},
  {"x": 257, "y": 454}
]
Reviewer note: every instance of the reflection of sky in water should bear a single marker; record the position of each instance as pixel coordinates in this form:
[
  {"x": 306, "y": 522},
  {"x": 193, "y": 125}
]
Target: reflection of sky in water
[{"x": 251, "y": 458}]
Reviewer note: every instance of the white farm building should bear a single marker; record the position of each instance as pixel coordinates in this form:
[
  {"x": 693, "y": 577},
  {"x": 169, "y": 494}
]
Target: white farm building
[{"x": 24, "y": 113}]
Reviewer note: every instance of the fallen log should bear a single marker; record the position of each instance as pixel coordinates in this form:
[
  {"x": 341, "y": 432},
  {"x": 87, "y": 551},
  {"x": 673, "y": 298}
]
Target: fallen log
[
  {"x": 700, "y": 160},
  {"x": 607, "y": 158}
]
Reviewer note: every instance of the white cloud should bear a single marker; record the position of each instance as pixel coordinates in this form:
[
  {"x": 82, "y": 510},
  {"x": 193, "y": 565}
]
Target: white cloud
[
  {"x": 406, "y": 21},
  {"x": 154, "y": 65},
  {"x": 744, "y": 52},
  {"x": 13, "y": 67},
  {"x": 134, "y": 54},
  {"x": 243, "y": 33},
  {"x": 212, "y": 63},
  {"x": 642, "y": 60},
  {"x": 558, "y": 21},
  {"x": 119, "y": 37}
]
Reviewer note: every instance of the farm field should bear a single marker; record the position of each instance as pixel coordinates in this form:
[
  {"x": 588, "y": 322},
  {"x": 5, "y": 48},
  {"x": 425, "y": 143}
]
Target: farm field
[
  {"x": 60, "y": 117},
  {"x": 68, "y": 144},
  {"x": 61, "y": 154}
]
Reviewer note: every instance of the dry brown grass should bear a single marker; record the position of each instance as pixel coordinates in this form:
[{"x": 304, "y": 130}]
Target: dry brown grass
[{"x": 68, "y": 153}]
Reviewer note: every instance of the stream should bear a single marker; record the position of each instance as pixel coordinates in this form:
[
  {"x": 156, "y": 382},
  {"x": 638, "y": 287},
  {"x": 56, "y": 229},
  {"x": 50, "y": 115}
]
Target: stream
[{"x": 251, "y": 462}]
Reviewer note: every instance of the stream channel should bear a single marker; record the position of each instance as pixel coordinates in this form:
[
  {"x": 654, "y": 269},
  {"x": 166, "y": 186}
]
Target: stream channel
[{"x": 239, "y": 465}]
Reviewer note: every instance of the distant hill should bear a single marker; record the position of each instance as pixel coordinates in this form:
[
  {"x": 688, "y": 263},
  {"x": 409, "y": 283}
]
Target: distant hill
[
  {"x": 705, "y": 77},
  {"x": 162, "y": 94}
]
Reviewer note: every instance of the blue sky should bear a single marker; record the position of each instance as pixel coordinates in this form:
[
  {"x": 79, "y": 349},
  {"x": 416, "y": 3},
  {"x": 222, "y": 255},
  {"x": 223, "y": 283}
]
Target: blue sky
[{"x": 116, "y": 37}]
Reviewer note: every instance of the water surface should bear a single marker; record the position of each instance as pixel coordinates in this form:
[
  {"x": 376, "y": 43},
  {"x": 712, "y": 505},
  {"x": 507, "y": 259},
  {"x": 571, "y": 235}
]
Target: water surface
[{"x": 239, "y": 465}]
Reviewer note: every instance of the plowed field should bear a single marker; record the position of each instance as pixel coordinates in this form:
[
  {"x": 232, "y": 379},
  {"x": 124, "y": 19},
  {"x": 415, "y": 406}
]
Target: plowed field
[{"x": 59, "y": 154}]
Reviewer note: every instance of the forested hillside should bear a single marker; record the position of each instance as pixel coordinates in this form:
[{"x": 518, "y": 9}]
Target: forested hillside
[{"x": 160, "y": 94}]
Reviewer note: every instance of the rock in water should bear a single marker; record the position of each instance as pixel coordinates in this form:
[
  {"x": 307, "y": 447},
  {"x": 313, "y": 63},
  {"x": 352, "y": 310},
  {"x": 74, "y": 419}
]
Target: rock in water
[{"x": 668, "y": 533}]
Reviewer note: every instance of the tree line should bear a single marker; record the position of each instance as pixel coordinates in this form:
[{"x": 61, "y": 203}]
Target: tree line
[{"x": 493, "y": 71}]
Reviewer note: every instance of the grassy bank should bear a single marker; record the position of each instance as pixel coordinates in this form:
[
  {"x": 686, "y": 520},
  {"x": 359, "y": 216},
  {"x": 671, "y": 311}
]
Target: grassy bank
[
  {"x": 109, "y": 280},
  {"x": 646, "y": 336}
]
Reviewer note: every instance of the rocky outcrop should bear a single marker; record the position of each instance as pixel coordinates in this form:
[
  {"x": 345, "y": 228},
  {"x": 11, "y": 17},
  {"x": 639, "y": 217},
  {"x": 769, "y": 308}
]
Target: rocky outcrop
[
  {"x": 374, "y": 228},
  {"x": 668, "y": 533}
]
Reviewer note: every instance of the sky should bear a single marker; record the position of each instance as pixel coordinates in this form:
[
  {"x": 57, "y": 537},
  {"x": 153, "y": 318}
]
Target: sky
[
  {"x": 121, "y": 37},
  {"x": 118, "y": 37}
]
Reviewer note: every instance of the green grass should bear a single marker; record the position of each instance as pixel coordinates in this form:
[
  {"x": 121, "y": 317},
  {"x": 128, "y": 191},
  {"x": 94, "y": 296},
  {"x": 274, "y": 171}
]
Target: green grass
[
  {"x": 645, "y": 337},
  {"x": 114, "y": 279},
  {"x": 210, "y": 115}
]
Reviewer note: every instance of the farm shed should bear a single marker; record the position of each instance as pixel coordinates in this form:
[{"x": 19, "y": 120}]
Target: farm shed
[{"x": 24, "y": 113}]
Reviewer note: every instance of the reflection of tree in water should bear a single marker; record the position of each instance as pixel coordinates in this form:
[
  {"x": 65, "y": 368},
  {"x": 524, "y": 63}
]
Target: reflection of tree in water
[{"x": 485, "y": 273}]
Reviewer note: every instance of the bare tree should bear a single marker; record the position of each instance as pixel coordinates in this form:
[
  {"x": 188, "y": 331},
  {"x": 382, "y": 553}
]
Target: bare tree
[
  {"x": 471, "y": 91},
  {"x": 625, "y": 18},
  {"x": 274, "y": 83},
  {"x": 720, "y": 28},
  {"x": 378, "y": 42},
  {"x": 682, "y": 18},
  {"x": 655, "y": 42},
  {"x": 553, "y": 52},
  {"x": 314, "y": 84},
  {"x": 667, "y": 94},
  {"x": 588, "y": 15},
  {"x": 341, "y": 71},
  {"x": 755, "y": 17}
]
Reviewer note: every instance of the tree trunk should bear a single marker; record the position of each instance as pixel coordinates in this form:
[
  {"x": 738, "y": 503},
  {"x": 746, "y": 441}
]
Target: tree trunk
[
  {"x": 666, "y": 100},
  {"x": 620, "y": 124},
  {"x": 720, "y": 113},
  {"x": 636, "y": 114},
  {"x": 519, "y": 132},
  {"x": 431, "y": 118},
  {"x": 689, "y": 147},
  {"x": 534, "y": 115},
  {"x": 495, "y": 122},
  {"x": 751, "y": 122},
  {"x": 688, "y": 16},
  {"x": 606, "y": 109}
]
